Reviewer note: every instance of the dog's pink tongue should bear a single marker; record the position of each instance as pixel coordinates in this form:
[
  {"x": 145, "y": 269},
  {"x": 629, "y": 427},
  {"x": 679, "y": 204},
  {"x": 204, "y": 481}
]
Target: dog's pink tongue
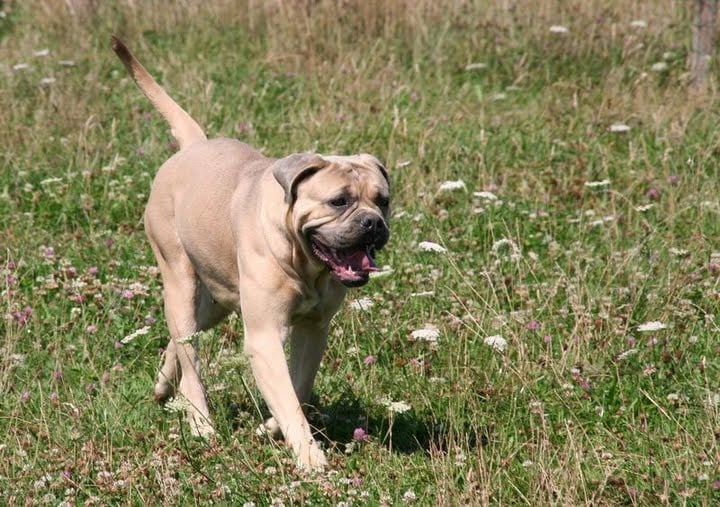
[{"x": 361, "y": 261}]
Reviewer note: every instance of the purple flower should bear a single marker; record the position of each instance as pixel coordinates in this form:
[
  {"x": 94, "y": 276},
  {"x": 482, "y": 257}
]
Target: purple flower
[
  {"x": 369, "y": 360},
  {"x": 150, "y": 320},
  {"x": 140, "y": 151},
  {"x": 92, "y": 270},
  {"x": 49, "y": 252},
  {"x": 57, "y": 375},
  {"x": 414, "y": 96},
  {"x": 360, "y": 435},
  {"x": 65, "y": 475},
  {"x": 127, "y": 294},
  {"x": 25, "y": 395},
  {"x": 91, "y": 328},
  {"x": 547, "y": 338},
  {"x": 653, "y": 193},
  {"x": 118, "y": 345},
  {"x": 53, "y": 396},
  {"x": 673, "y": 179},
  {"x": 109, "y": 242},
  {"x": 533, "y": 325},
  {"x": 22, "y": 316},
  {"x": 631, "y": 341},
  {"x": 77, "y": 298},
  {"x": 71, "y": 272}
]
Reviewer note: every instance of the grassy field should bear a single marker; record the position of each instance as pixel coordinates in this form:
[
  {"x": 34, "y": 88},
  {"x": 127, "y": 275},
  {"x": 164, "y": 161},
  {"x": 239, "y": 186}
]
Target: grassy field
[{"x": 570, "y": 352}]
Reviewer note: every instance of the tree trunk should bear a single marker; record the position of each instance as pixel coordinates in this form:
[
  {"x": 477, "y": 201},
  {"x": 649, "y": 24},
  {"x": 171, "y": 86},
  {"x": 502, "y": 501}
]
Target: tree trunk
[{"x": 703, "y": 41}]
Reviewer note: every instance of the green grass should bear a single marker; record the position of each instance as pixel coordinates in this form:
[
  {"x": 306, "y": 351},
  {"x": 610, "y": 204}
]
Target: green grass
[{"x": 581, "y": 407}]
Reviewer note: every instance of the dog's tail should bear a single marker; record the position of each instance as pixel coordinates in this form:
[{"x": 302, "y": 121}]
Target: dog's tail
[{"x": 184, "y": 129}]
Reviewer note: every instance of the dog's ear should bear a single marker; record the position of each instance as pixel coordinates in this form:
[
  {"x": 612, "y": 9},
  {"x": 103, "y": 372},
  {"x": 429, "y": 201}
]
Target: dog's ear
[
  {"x": 374, "y": 161},
  {"x": 291, "y": 170}
]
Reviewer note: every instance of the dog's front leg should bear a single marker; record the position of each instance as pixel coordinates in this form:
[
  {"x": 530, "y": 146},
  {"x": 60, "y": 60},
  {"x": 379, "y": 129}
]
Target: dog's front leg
[
  {"x": 307, "y": 347},
  {"x": 264, "y": 348}
]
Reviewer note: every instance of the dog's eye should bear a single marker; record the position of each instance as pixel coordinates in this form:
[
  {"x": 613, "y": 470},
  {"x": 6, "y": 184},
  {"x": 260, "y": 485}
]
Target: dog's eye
[
  {"x": 382, "y": 201},
  {"x": 339, "y": 202}
]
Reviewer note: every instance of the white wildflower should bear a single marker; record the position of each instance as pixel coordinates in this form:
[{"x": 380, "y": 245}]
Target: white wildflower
[
  {"x": 488, "y": 196},
  {"x": 452, "y": 185},
  {"x": 21, "y": 66},
  {"x": 41, "y": 52},
  {"x": 409, "y": 496},
  {"x": 177, "y": 404},
  {"x": 638, "y": 23},
  {"x": 47, "y": 81},
  {"x": 395, "y": 407},
  {"x": 627, "y": 353},
  {"x": 602, "y": 221},
  {"x": 429, "y": 246},
  {"x": 659, "y": 66},
  {"x": 644, "y": 207},
  {"x": 514, "y": 249},
  {"x": 384, "y": 271},
  {"x": 422, "y": 293},
  {"x": 363, "y": 303},
  {"x": 559, "y": 29},
  {"x": 499, "y": 96},
  {"x": 135, "y": 334},
  {"x": 429, "y": 334},
  {"x": 497, "y": 342},
  {"x": 678, "y": 252},
  {"x": 619, "y": 127},
  {"x": 476, "y": 66},
  {"x": 595, "y": 184},
  {"x": 66, "y": 63},
  {"x": 654, "y": 325},
  {"x": 403, "y": 163},
  {"x": 48, "y": 181}
]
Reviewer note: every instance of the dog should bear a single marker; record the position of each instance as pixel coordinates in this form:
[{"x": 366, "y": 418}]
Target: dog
[{"x": 277, "y": 240}]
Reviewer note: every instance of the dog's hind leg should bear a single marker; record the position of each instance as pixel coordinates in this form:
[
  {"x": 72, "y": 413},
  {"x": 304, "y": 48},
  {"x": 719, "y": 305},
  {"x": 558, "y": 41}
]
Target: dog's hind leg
[{"x": 188, "y": 309}]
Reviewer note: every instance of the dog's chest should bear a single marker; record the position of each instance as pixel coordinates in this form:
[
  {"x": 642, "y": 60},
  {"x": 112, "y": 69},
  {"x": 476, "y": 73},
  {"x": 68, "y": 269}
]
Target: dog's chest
[{"x": 316, "y": 306}]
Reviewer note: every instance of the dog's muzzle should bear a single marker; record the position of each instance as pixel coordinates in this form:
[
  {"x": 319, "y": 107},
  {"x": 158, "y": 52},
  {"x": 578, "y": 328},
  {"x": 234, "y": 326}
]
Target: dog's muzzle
[{"x": 351, "y": 265}]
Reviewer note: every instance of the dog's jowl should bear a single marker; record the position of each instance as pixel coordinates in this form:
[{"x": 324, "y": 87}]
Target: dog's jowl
[{"x": 277, "y": 240}]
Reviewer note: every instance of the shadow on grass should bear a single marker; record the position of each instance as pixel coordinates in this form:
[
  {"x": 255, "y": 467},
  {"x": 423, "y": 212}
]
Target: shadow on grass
[{"x": 406, "y": 433}]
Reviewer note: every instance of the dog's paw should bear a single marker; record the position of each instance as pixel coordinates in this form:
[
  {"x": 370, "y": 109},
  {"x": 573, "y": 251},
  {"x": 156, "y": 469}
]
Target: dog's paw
[
  {"x": 270, "y": 428},
  {"x": 311, "y": 458},
  {"x": 163, "y": 391},
  {"x": 201, "y": 426}
]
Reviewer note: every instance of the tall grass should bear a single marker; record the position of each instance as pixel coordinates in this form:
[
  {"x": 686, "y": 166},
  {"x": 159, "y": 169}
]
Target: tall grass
[{"x": 590, "y": 207}]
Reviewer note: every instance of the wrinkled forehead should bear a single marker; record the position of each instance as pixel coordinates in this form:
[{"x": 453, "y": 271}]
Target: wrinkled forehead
[{"x": 363, "y": 171}]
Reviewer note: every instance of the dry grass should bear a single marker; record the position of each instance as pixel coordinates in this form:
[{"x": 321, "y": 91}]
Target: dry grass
[{"x": 581, "y": 407}]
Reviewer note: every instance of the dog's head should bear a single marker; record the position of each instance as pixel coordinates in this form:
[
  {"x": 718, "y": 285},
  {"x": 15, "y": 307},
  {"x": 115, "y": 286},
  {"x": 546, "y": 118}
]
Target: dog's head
[{"x": 339, "y": 210}]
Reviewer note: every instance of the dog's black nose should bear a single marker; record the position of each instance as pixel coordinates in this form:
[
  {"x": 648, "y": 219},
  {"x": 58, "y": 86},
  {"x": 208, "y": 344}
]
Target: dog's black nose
[
  {"x": 369, "y": 223},
  {"x": 374, "y": 230}
]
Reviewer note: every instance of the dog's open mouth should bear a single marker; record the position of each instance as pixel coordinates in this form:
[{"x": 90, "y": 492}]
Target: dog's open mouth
[{"x": 351, "y": 266}]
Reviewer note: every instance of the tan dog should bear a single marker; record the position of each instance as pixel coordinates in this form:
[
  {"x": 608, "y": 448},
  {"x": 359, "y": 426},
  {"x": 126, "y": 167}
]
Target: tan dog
[{"x": 277, "y": 240}]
